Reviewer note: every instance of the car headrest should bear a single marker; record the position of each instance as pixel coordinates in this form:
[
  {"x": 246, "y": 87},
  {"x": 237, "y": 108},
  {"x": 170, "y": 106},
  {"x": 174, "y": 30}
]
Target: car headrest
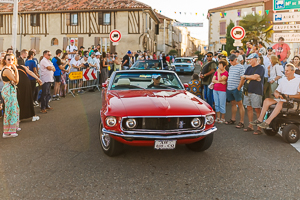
[{"x": 123, "y": 81}]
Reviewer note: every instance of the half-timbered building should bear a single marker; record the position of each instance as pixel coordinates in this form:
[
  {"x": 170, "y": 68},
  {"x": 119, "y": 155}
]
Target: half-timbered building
[{"x": 50, "y": 24}]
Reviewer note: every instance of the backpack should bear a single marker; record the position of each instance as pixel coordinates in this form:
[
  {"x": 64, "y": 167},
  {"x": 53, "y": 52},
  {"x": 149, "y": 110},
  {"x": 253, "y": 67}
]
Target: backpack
[{"x": 206, "y": 70}]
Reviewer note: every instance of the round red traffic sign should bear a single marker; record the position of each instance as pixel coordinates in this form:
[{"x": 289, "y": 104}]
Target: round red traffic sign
[
  {"x": 237, "y": 33},
  {"x": 115, "y": 36}
]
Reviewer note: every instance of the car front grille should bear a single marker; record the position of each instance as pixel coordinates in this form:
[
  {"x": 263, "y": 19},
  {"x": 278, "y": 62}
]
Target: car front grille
[{"x": 159, "y": 124}]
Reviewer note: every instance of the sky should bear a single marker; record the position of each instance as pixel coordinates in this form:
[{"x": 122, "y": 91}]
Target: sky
[{"x": 169, "y": 7}]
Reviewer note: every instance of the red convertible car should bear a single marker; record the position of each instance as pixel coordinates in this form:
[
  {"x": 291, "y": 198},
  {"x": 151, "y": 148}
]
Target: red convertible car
[{"x": 152, "y": 108}]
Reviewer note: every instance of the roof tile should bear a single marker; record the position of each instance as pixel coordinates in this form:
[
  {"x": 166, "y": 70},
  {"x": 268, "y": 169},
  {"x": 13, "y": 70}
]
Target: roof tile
[
  {"x": 238, "y": 3},
  {"x": 59, "y": 5}
]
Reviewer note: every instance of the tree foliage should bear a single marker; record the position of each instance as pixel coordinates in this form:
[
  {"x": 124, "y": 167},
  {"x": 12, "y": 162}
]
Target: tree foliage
[
  {"x": 257, "y": 28},
  {"x": 173, "y": 52},
  {"x": 229, "y": 39}
]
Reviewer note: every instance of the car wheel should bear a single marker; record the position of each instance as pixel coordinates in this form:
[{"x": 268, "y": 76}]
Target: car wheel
[
  {"x": 270, "y": 132},
  {"x": 110, "y": 146},
  {"x": 290, "y": 133},
  {"x": 201, "y": 145}
]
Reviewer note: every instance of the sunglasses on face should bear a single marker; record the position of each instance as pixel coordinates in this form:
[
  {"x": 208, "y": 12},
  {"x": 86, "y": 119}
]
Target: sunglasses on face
[
  {"x": 49, "y": 54},
  {"x": 231, "y": 60}
]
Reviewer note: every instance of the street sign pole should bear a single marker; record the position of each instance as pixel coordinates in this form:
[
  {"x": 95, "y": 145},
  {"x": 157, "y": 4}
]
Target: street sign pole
[{"x": 15, "y": 26}]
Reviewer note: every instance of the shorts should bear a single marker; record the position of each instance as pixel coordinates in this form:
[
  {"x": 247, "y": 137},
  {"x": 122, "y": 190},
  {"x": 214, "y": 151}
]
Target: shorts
[
  {"x": 234, "y": 95},
  {"x": 253, "y": 100},
  {"x": 57, "y": 79}
]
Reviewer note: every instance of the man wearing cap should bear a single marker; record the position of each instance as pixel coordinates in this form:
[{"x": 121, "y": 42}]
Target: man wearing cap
[
  {"x": 126, "y": 61},
  {"x": 156, "y": 80},
  {"x": 207, "y": 74},
  {"x": 71, "y": 49},
  {"x": 253, "y": 89},
  {"x": 233, "y": 94}
]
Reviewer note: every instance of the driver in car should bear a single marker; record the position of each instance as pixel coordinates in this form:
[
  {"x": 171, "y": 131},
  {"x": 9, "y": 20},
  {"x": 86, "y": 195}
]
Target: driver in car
[
  {"x": 289, "y": 86},
  {"x": 156, "y": 81}
]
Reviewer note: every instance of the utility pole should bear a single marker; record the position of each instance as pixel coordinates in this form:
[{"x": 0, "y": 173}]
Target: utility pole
[{"x": 15, "y": 26}]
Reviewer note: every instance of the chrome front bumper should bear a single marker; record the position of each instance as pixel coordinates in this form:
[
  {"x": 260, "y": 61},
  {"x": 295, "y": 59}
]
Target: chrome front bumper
[{"x": 161, "y": 137}]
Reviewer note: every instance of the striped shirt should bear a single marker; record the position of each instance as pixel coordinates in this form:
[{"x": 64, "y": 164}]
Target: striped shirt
[{"x": 234, "y": 78}]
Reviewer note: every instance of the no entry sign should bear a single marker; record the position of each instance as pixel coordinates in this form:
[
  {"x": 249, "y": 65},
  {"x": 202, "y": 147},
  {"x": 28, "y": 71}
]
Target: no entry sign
[
  {"x": 237, "y": 33},
  {"x": 115, "y": 36}
]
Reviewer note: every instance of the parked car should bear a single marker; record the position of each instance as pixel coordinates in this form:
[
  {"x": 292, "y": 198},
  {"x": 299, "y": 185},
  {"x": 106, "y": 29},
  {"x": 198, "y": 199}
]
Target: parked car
[
  {"x": 152, "y": 108},
  {"x": 150, "y": 65},
  {"x": 184, "y": 65}
]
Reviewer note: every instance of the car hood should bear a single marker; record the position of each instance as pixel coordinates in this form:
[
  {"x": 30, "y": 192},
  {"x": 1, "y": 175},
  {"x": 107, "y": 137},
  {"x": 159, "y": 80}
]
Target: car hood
[{"x": 155, "y": 103}]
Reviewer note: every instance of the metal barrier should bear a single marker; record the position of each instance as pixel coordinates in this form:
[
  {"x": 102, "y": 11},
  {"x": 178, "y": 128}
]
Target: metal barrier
[{"x": 83, "y": 80}]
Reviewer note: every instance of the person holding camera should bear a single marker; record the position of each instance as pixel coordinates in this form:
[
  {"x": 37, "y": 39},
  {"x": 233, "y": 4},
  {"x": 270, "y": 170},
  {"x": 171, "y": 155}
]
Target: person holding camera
[
  {"x": 282, "y": 51},
  {"x": 72, "y": 49},
  {"x": 253, "y": 81}
]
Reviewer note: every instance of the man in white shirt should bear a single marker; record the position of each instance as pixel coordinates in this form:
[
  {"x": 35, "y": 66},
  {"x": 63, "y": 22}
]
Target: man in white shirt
[
  {"x": 75, "y": 66},
  {"x": 289, "y": 86},
  {"x": 47, "y": 71},
  {"x": 92, "y": 61},
  {"x": 71, "y": 49}
]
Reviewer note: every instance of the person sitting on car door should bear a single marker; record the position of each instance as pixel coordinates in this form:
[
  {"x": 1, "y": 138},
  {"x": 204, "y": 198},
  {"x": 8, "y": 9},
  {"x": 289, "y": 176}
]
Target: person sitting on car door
[
  {"x": 156, "y": 81},
  {"x": 289, "y": 86}
]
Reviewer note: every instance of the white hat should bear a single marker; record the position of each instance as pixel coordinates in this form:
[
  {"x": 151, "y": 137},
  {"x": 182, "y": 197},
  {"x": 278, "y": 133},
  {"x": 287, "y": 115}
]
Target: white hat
[{"x": 98, "y": 54}]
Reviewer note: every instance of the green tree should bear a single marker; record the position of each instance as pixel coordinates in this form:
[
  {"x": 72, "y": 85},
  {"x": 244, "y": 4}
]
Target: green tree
[
  {"x": 173, "y": 52},
  {"x": 257, "y": 28},
  {"x": 229, "y": 39}
]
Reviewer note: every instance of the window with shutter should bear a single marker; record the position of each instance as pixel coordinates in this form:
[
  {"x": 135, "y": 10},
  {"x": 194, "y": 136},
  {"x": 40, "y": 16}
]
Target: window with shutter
[
  {"x": 68, "y": 20},
  {"x": 150, "y": 23},
  {"x": 74, "y": 19},
  {"x": 222, "y": 28},
  {"x": 34, "y": 19},
  {"x": 80, "y": 42},
  {"x": 96, "y": 41},
  {"x": 239, "y": 13},
  {"x": 65, "y": 43},
  {"x": 106, "y": 18},
  {"x": 100, "y": 18},
  {"x": 1, "y": 20},
  {"x": 157, "y": 29}
]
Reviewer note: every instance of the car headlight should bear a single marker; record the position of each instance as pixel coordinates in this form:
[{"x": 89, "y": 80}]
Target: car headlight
[
  {"x": 210, "y": 119},
  {"x": 131, "y": 123},
  {"x": 111, "y": 121},
  {"x": 196, "y": 123}
]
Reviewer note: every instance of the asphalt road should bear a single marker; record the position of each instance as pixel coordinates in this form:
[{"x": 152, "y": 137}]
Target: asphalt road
[{"x": 59, "y": 157}]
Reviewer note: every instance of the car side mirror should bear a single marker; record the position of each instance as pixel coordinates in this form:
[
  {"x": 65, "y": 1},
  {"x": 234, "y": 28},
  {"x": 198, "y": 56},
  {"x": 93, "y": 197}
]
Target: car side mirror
[
  {"x": 104, "y": 85},
  {"x": 186, "y": 85}
]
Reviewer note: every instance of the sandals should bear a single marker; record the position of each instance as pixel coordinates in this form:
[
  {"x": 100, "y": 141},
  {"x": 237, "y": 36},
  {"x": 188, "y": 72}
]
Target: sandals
[
  {"x": 263, "y": 125},
  {"x": 240, "y": 125},
  {"x": 257, "y": 132},
  {"x": 255, "y": 122},
  {"x": 230, "y": 122},
  {"x": 217, "y": 120},
  {"x": 248, "y": 129},
  {"x": 222, "y": 121}
]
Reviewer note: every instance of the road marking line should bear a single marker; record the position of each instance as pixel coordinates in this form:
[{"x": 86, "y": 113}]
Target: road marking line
[{"x": 297, "y": 145}]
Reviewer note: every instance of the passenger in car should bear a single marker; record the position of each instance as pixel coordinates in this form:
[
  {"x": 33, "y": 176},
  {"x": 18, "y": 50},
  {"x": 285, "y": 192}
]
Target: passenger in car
[{"x": 289, "y": 86}]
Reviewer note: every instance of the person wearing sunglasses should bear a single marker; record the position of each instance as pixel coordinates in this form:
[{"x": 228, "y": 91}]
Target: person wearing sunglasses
[
  {"x": 207, "y": 74},
  {"x": 47, "y": 71},
  {"x": 10, "y": 77}
]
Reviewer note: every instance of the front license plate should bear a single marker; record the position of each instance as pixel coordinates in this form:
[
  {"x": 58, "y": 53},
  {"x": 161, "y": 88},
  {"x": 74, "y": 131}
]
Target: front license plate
[
  {"x": 164, "y": 144},
  {"x": 182, "y": 70}
]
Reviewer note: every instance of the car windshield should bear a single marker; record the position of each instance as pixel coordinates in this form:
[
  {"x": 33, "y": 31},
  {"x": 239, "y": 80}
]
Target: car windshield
[
  {"x": 183, "y": 60},
  {"x": 145, "y": 80},
  {"x": 147, "y": 64}
]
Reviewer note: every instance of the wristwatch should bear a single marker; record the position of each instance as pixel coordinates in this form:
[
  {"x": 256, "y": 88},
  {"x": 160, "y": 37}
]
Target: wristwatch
[{"x": 244, "y": 76}]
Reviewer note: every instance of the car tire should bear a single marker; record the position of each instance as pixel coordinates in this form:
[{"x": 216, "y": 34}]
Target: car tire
[
  {"x": 270, "y": 132},
  {"x": 201, "y": 145},
  {"x": 290, "y": 133},
  {"x": 110, "y": 146}
]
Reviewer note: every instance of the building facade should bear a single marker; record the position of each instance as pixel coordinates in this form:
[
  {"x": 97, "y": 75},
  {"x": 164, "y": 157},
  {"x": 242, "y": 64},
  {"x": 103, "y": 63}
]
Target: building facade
[
  {"x": 51, "y": 24},
  {"x": 220, "y": 18}
]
